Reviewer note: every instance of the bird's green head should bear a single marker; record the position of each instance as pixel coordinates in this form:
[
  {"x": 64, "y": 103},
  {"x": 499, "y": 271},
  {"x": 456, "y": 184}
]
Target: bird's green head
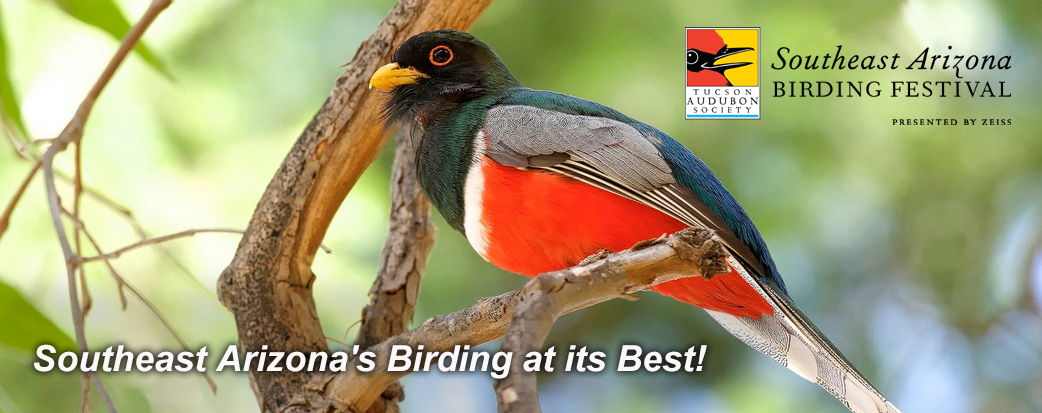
[{"x": 435, "y": 71}]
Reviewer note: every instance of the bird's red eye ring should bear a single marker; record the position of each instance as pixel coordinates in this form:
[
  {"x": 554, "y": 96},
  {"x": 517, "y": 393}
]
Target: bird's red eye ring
[{"x": 441, "y": 55}]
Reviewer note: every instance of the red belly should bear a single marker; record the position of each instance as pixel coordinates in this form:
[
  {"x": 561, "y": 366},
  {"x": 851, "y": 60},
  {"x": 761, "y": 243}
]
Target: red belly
[{"x": 540, "y": 221}]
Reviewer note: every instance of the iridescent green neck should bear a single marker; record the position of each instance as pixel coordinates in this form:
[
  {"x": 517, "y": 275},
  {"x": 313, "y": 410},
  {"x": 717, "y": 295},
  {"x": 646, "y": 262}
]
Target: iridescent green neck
[{"x": 444, "y": 156}]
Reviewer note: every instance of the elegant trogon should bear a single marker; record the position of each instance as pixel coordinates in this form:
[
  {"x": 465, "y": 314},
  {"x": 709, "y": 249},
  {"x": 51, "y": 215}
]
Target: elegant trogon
[{"x": 537, "y": 181}]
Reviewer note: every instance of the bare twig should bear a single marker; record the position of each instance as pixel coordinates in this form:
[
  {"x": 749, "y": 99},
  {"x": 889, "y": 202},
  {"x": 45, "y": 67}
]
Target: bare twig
[
  {"x": 77, "y": 237},
  {"x": 106, "y": 201},
  {"x": 347, "y": 331},
  {"x": 72, "y": 133},
  {"x": 138, "y": 229},
  {"x": 122, "y": 282},
  {"x": 23, "y": 151},
  {"x": 5, "y": 218},
  {"x": 340, "y": 342},
  {"x": 70, "y": 269},
  {"x": 685, "y": 254},
  {"x": 12, "y": 137},
  {"x": 19, "y": 148},
  {"x": 152, "y": 241},
  {"x": 42, "y": 141}
]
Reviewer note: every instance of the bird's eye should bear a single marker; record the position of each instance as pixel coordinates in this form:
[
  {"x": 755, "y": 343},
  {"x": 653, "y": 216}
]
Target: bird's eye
[
  {"x": 441, "y": 55},
  {"x": 692, "y": 57}
]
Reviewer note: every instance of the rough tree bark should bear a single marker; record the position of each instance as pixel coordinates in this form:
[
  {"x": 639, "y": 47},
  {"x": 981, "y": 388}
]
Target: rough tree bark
[
  {"x": 403, "y": 259},
  {"x": 548, "y": 296},
  {"x": 268, "y": 284},
  {"x": 689, "y": 253}
]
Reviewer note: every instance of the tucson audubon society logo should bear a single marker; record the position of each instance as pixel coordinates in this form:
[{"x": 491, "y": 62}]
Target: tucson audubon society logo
[{"x": 723, "y": 73}]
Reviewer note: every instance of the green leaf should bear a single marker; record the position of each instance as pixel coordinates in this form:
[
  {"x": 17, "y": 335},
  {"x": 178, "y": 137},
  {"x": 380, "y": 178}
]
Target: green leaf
[
  {"x": 24, "y": 327},
  {"x": 8, "y": 101},
  {"x": 105, "y": 15},
  {"x": 31, "y": 391}
]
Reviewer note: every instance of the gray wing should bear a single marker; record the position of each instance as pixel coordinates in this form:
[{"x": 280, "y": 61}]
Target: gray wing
[
  {"x": 605, "y": 153},
  {"x": 616, "y": 157},
  {"x": 529, "y": 137}
]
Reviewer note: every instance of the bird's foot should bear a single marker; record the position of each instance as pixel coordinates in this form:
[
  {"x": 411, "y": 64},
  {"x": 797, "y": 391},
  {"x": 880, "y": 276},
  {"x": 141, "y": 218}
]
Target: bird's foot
[{"x": 603, "y": 253}]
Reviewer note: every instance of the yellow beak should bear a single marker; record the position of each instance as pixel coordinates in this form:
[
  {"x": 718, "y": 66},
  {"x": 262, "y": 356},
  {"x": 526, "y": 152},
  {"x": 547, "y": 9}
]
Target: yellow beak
[{"x": 390, "y": 76}]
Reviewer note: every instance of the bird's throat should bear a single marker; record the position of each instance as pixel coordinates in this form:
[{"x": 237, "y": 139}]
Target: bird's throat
[
  {"x": 445, "y": 155},
  {"x": 428, "y": 112}
]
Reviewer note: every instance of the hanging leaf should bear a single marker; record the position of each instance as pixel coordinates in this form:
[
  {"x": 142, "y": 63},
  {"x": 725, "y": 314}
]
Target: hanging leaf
[
  {"x": 105, "y": 15},
  {"x": 8, "y": 101},
  {"x": 24, "y": 327}
]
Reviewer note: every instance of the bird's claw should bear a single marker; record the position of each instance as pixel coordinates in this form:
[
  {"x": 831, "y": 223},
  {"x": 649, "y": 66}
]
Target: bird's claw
[{"x": 603, "y": 253}]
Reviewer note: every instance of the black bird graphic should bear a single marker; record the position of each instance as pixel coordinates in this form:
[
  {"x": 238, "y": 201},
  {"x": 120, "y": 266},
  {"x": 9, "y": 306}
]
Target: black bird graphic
[{"x": 698, "y": 60}]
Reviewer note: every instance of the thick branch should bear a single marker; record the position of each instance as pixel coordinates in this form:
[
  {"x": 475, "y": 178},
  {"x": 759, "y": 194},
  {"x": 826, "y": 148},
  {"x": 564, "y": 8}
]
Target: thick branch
[
  {"x": 692, "y": 251},
  {"x": 688, "y": 253},
  {"x": 267, "y": 286},
  {"x": 404, "y": 257}
]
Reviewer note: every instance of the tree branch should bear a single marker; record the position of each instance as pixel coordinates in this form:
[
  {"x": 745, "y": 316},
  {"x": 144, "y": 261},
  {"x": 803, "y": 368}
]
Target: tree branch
[
  {"x": 404, "y": 257},
  {"x": 73, "y": 132},
  {"x": 691, "y": 252},
  {"x": 153, "y": 241},
  {"x": 122, "y": 283},
  {"x": 267, "y": 286},
  {"x": 550, "y": 295},
  {"x": 5, "y": 217}
]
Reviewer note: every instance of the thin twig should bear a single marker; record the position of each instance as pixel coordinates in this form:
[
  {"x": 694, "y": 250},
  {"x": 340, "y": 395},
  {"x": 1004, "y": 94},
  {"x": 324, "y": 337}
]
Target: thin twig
[
  {"x": 122, "y": 282},
  {"x": 22, "y": 151},
  {"x": 115, "y": 206},
  {"x": 105, "y": 200},
  {"x": 151, "y": 241},
  {"x": 136, "y": 226},
  {"x": 74, "y": 130},
  {"x": 349, "y": 327},
  {"x": 139, "y": 230},
  {"x": 70, "y": 270},
  {"x": 5, "y": 219},
  {"x": 342, "y": 343},
  {"x": 77, "y": 195},
  {"x": 42, "y": 141},
  {"x": 72, "y": 133},
  {"x": 12, "y": 136}
]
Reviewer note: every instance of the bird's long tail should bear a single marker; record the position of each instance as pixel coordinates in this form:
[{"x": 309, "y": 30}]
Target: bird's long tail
[{"x": 789, "y": 338}]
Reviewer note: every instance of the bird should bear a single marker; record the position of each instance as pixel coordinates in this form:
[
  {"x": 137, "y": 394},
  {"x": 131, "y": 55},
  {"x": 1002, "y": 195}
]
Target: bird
[{"x": 538, "y": 181}]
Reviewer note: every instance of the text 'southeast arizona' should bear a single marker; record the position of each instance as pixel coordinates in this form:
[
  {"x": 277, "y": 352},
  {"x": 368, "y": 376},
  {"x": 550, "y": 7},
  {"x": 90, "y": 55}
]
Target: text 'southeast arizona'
[{"x": 958, "y": 64}]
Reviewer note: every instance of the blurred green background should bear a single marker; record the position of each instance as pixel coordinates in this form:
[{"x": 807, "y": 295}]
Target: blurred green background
[{"x": 918, "y": 250}]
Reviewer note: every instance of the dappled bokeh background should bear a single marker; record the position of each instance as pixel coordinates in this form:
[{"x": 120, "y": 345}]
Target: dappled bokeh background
[{"x": 918, "y": 250}]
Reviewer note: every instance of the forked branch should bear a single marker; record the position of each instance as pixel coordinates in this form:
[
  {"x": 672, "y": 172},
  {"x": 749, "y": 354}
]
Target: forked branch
[
  {"x": 267, "y": 286},
  {"x": 530, "y": 311}
]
